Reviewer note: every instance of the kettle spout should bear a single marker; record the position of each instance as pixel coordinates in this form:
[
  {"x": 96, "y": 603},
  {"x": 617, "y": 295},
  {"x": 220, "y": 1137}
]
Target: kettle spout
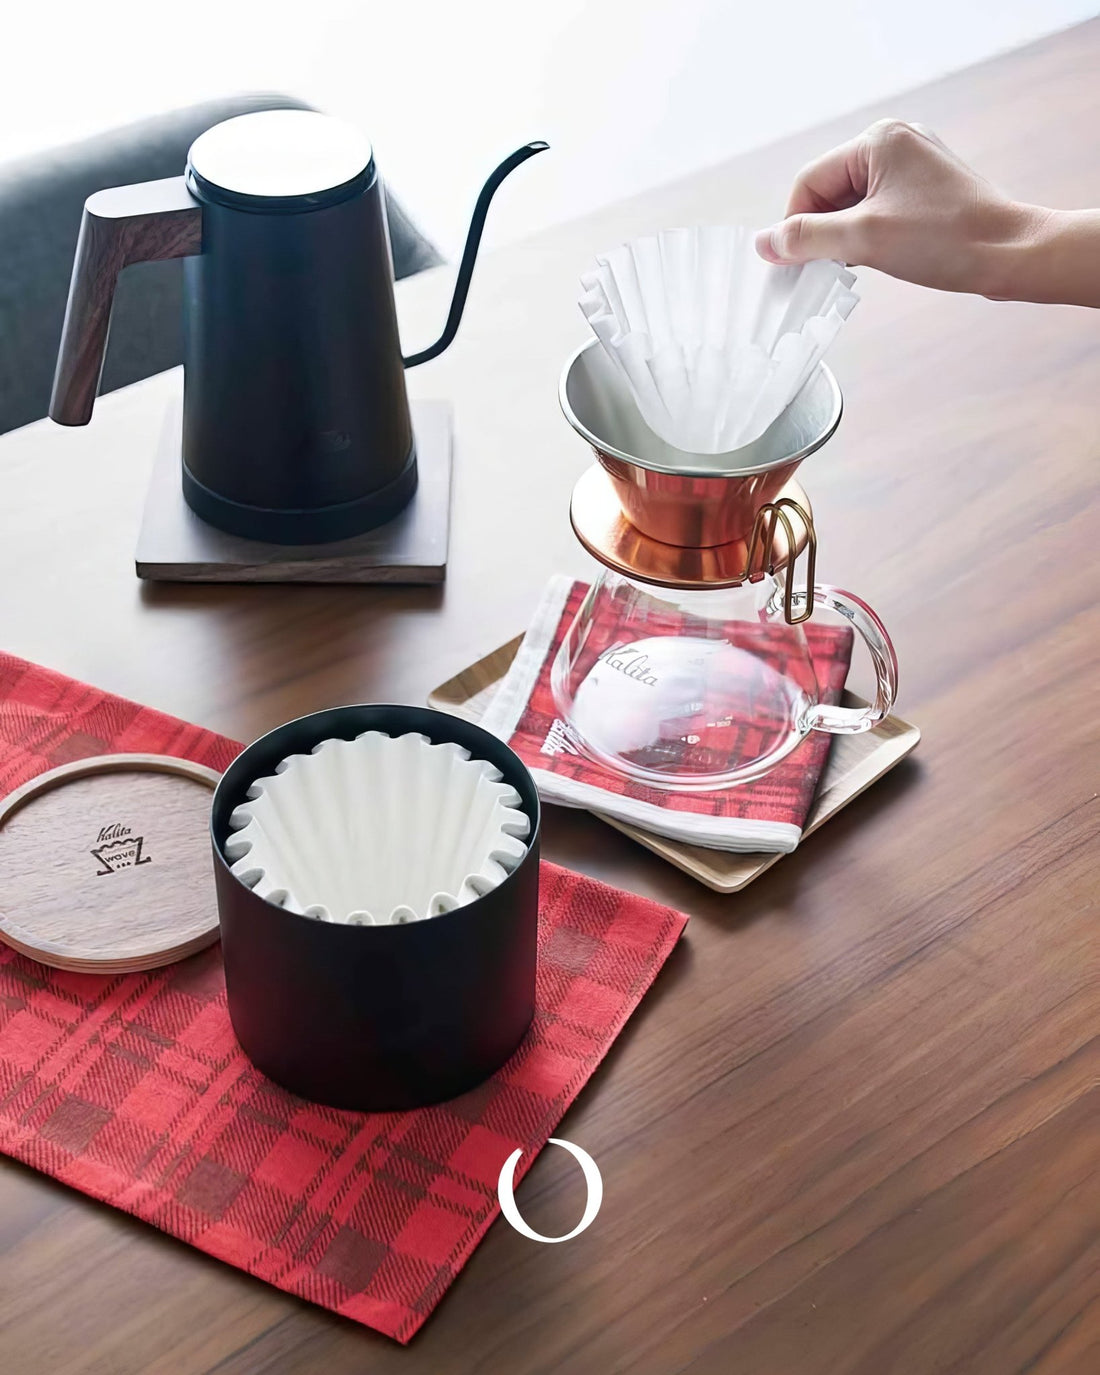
[{"x": 469, "y": 252}]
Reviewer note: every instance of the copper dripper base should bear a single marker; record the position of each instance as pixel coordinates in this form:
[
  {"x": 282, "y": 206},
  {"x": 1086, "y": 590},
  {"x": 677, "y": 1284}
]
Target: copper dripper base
[{"x": 600, "y": 525}]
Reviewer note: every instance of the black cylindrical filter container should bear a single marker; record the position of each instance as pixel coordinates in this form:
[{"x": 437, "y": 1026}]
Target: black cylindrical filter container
[{"x": 388, "y": 1017}]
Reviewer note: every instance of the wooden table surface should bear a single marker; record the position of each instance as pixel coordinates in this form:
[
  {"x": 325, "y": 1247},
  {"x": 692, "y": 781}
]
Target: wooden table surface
[{"x": 855, "y": 1128}]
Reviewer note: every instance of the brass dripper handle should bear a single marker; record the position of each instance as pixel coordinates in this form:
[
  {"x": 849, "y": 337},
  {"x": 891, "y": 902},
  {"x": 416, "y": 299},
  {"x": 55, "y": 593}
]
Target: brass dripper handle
[{"x": 762, "y": 541}]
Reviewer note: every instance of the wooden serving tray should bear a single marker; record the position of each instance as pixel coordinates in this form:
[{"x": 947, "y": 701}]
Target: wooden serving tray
[{"x": 855, "y": 762}]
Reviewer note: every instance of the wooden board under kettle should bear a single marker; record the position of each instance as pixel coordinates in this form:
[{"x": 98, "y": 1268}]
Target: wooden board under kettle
[{"x": 176, "y": 546}]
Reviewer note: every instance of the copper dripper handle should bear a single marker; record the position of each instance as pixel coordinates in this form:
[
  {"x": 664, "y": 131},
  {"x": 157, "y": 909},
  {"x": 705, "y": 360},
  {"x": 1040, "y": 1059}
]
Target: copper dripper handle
[{"x": 762, "y": 540}]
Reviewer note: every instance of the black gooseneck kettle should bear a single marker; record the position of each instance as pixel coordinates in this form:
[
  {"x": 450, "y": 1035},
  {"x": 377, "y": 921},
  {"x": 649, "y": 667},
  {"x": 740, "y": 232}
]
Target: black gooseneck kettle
[{"x": 296, "y": 426}]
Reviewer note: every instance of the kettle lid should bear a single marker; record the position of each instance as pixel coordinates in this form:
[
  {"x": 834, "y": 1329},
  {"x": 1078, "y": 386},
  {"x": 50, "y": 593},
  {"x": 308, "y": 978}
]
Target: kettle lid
[{"x": 272, "y": 159}]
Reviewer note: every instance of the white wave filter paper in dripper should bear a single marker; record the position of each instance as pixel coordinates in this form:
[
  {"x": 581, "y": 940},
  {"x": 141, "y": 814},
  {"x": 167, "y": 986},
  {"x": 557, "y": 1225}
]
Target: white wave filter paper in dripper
[
  {"x": 378, "y": 830},
  {"x": 714, "y": 342}
]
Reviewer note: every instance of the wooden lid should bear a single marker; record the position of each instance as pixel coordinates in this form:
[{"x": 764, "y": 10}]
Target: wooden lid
[{"x": 105, "y": 864}]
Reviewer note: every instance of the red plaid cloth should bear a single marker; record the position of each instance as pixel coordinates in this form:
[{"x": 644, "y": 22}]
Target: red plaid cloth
[
  {"x": 525, "y": 715},
  {"x": 133, "y": 1088}
]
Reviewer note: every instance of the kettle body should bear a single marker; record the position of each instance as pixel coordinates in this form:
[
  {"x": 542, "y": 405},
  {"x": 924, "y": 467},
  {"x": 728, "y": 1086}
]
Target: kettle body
[
  {"x": 296, "y": 424},
  {"x": 296, "y": 421}
]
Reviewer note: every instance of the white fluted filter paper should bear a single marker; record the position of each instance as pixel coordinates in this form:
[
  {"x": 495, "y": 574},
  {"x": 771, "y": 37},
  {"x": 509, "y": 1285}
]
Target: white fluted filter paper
[
  {"x": 714, "y": 342},
  {"x": 378, "y": 830}
]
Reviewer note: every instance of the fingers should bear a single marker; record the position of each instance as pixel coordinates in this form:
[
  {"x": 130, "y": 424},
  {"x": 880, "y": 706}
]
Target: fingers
[
  {"x": 834, "y": 181},
  {"x": 804, "y": 238},
  {"x": 841, "y": 177},
  {"x": 849, "y": 203}
]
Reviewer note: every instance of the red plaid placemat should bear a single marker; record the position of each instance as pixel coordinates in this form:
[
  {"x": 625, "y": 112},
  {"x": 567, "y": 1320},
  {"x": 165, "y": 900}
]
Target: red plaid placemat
[
  {"x": 133, "y": 1089},
  {"x": 766, "y": 814}
]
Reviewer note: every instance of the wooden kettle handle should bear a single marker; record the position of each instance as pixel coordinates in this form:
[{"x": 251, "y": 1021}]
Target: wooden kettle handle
[{"x": 127, "y": 224}]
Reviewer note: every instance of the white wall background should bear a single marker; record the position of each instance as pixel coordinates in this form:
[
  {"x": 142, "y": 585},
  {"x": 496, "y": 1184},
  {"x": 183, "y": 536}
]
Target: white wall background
[{"x": 629, "y": 93}]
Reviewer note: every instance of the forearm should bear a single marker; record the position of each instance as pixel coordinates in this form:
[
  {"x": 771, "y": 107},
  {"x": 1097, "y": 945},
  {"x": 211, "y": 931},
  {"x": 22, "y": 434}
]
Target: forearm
[{"x": 1054, "y": 259}]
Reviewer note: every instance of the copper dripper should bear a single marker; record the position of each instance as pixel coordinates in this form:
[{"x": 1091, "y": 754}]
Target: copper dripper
[
  {"x": 692, "y": 501},
  {"x": 782, "y": 530}
]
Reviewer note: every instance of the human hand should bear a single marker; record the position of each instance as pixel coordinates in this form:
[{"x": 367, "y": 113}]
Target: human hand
[{"x": 897, "y": 199}]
